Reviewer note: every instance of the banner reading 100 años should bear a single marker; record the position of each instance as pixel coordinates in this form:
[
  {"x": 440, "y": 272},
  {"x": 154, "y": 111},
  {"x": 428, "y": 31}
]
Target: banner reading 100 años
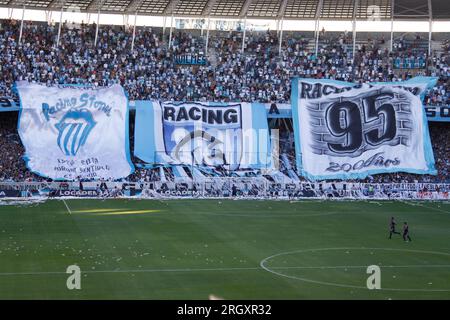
[
  {"x": 72, "y": 132},
  {"x": 348, "y": 131}
]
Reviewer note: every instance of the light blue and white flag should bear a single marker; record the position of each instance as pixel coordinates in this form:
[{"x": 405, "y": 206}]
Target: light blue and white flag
[
  {"x": 234, "y": 135},
  {"x": 438, "y": 113},
  {"x": 72, "y": 132},
  {"x": 347, "y": 131}
]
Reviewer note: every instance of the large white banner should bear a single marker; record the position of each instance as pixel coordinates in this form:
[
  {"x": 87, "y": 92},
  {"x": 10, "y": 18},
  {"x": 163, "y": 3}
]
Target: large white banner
[
  {"x": 230, "y": 135},
  {"x": 72, "y": 132},
  {"x": 348, "y": 131}
]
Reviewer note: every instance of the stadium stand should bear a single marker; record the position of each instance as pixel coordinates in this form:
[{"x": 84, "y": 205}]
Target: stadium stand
[{"x": 257, "y": 74}]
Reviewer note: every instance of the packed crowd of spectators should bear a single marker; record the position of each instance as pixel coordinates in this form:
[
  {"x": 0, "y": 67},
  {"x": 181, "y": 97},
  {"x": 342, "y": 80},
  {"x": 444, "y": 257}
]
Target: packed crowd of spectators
[
  {"x": 259, "y": 73},
  {"x": 150, "y": 72},
  {"x": 12, "y": 166}
]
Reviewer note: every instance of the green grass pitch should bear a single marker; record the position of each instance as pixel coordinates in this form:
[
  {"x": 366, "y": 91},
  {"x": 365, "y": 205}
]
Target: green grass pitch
[{"x": 234, "y": 249}]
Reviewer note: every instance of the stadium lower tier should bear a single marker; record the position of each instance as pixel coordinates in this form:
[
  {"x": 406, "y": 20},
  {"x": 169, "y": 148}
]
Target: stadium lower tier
[
  {"x": 13, "y": 168},
  {"x": 223, "y": 188}
]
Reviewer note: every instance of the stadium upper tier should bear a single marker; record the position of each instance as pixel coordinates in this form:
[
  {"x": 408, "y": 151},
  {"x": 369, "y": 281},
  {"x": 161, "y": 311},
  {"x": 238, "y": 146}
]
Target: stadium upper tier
[
  {"x": 257, "y": 73},
  {"x": 267, "y": 9}
]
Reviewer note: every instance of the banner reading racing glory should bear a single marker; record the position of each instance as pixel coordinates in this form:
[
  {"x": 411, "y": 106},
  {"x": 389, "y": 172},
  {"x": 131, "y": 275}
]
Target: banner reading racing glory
[
  {"x": 348, "y": 131},
  {"x": 234, "y": 135},
  {"x": 72, "y": 132}
]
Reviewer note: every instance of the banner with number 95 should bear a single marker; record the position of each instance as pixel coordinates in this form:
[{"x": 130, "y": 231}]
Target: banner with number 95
[{"x": 350, "y": 131}]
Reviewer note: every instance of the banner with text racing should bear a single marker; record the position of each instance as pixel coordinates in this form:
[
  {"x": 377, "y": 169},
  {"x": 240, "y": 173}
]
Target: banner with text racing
[
  {"x": 72, "y": 132},
  {"x": 229, "y": 135},
  {"x": 347, "y": 131}
]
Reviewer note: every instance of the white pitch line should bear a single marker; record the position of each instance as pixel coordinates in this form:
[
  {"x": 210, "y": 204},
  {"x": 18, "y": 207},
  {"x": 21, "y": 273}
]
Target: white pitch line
[
  {"x": 424, "y": 206},
  {"x": 132, "y": 271},
  {"x": 273, "y": 271},
  {"x": 358, "y": 267},
  {"x": 68, "y": 209},
  {"x": 219, "y": 269}
]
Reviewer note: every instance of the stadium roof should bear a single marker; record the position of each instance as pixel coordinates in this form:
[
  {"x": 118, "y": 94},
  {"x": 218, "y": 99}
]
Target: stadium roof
[{"x": 266, "y": 9}]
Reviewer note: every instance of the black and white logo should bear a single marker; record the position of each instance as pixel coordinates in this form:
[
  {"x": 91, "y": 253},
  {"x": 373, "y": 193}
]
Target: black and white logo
[{"x": 350, "y": 126}]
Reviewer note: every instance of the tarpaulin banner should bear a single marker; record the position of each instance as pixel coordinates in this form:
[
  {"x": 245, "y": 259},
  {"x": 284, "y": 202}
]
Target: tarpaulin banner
[
  {"x": 234, "y": 135},
  {"x": 346, "y": 131},
  {"x": 73, "y": 132},
  {"x": 438, "y": 113}
]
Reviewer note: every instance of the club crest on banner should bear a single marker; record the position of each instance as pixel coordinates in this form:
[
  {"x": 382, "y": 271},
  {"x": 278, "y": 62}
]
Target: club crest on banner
[
  {"x": 208, "y": 134},
  {"x": 74, "y": 129},
  {"x": 74, "y": 132},
  {"x": 200, "y": 134}
]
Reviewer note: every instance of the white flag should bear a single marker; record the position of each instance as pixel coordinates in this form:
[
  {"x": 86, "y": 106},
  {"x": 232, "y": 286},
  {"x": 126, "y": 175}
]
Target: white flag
[
  {"x": 73, "y": 132},
  {"x": 348, "y": 131}
]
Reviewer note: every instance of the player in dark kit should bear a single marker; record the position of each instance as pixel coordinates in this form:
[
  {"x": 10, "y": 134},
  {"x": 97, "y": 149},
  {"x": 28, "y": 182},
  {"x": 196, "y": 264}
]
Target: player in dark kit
[
  {"x": 406, "y": 232},
  {"x": 392, "y": 228}
]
